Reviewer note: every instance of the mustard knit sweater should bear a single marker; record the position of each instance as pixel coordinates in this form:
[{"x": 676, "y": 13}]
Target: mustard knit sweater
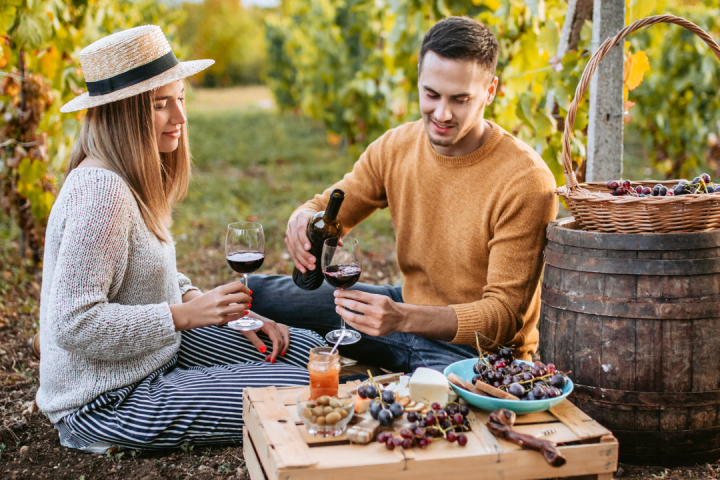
[{"x": 470, "y": 230}]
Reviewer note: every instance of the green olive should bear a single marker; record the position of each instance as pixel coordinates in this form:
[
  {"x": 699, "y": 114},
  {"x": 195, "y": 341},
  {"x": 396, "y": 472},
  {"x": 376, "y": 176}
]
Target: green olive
[{"x": 333, "y": 418}]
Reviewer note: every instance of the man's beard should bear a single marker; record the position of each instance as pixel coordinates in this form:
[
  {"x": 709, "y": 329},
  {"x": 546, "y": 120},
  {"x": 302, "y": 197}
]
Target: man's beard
[
  {"x": 449, "y": 142},
  {"x": 442, "y": 142}
]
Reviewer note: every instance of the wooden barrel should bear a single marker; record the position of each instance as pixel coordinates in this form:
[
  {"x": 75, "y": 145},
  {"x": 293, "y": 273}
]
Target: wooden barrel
[{"x": 637, "y": 320}]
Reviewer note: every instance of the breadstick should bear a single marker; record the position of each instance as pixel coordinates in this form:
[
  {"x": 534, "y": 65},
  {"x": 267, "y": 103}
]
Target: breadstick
[
  {"x": 494, "y": 392},
  {"x": 456, "y": 380},
  {"x": 469, "y": 386}
]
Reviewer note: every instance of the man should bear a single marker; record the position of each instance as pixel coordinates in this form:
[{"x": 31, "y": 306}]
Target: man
[{"x": 469, "y": 203}]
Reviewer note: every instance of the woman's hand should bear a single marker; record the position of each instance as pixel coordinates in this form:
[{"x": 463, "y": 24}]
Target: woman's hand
[
  {"x": 279, "y": 335},
  {"x": 216, "y": 307}
]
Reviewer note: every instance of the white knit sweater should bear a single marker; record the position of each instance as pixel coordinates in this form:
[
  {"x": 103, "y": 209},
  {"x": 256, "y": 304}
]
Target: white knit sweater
[{"x": 105, "y": 320}]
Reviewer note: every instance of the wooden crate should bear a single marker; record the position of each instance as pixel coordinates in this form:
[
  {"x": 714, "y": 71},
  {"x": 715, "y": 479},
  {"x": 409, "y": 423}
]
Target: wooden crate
[{"x": 277, "y": 446}]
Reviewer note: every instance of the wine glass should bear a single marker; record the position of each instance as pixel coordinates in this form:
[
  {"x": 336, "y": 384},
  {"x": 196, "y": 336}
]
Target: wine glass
[
  {"x": 341, "y": 266},
  {"x": 245, "y": 253}
]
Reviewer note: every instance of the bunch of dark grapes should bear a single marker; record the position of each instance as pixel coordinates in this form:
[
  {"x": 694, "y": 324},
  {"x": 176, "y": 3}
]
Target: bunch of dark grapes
[
  {"x": 449, "y": 423},
  {"x": 383, "y": 408},
  {"x": 625, "y": 188},
  {"x": 525, "y": 381},
  {"x": 699, "y": 185}
]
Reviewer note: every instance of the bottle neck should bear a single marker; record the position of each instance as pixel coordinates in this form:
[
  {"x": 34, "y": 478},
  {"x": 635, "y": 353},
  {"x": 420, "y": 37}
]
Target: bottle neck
[{"x": 333, "y": 207}]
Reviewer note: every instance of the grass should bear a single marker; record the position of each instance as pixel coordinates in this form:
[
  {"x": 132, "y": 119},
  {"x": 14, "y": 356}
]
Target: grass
[
  {"x": 250, "y": 164},
  {"x": 223, "y": 99},
  {"x": 256, "y": 165}
]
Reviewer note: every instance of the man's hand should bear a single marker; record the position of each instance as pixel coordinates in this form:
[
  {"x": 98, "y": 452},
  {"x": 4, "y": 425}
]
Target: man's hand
[
  {"x": 298, "y": 243},
  {"x": 380, "y": 316}
]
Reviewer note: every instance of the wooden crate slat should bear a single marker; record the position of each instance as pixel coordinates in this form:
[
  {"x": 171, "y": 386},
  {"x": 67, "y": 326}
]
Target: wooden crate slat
[
  {"x": 539, "y": 417},
  {"x": 573, "y": 418},
  {"x": 288, "y": 447},
  {"x": 251, "y": 459},
  {"x": 562, "y": 433},
  {"x": 253, "y": 425},
  {"x": 594, "y": 459},
  {"x": 328, "y": 458},
  {"x": 352, "y": 456},
  {"x": 480, "y": 431},
  {"x": 292, "y": 411},
  {"x": 289, "y": 396}
]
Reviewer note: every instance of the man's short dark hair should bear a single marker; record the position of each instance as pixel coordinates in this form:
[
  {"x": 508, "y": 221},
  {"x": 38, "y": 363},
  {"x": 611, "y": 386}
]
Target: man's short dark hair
[{"x": 462, "y": 38}]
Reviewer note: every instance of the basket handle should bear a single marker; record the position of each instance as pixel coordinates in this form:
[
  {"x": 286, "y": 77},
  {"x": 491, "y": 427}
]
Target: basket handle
[{"x": 570, "y": 179}]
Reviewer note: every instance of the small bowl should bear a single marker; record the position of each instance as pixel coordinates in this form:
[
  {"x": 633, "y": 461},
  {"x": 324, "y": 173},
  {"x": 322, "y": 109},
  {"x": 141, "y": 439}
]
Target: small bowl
[
  {"x": 329, "y": 415},
  {"x": 464, "y": 369}
]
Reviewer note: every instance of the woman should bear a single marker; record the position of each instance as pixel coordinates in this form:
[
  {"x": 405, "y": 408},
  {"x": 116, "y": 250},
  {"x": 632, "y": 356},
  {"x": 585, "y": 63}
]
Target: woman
[{"x": 132, "y": 353}]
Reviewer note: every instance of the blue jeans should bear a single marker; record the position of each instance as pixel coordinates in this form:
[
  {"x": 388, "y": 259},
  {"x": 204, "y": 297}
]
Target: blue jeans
[{"x": 278, "y": 298}]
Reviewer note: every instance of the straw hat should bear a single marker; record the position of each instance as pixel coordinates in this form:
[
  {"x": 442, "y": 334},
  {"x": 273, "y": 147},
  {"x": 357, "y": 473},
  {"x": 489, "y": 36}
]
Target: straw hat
[{"x": 128, "y": 63}]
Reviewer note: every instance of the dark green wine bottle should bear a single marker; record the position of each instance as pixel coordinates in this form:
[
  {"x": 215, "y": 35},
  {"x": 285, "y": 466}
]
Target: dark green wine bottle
[{"x": 322, "y": 226}]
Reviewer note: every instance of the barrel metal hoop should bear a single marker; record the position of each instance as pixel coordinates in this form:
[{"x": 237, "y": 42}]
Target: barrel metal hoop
[
  {"x": 565, "y": 231},
  {"x": 665, "y": 309},
  {"x": 628, "y": 398},
  {"x": 630, "y": 266}
]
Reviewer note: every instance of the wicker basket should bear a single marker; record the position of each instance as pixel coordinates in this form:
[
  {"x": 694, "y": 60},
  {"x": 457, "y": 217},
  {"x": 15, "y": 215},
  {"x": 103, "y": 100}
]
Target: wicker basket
[{"x": 596, "y": 209}]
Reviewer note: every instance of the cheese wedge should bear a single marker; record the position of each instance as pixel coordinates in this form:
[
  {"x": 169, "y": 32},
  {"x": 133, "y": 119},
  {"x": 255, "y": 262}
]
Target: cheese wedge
[{"x": 429, "y": 386}]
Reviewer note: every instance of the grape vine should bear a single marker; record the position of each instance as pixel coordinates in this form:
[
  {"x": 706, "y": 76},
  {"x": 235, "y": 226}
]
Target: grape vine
[
  {"x": 39, "y": 71},
  {"x": 353, "y": 65}
]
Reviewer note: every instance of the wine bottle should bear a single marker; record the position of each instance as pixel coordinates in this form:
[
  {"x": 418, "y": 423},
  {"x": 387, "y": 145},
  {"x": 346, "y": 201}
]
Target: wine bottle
[{"x": 322, "y": 226}]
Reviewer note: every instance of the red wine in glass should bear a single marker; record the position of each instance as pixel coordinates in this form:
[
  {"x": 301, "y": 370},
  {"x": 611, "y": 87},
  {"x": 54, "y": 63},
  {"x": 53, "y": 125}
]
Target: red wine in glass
[
  {"x": 245, "y": 261},
  {"x": 341, "y": 267},
  {"x": 245, "y": 253},
  {"x": 342, "y": 275}
]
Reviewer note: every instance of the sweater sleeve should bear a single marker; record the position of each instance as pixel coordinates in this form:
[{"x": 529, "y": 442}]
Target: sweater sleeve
[
  {"x": 185, "y": 284},
  {"x": 515, "y": 262},
  {"x": 91, "y": 263},
  {"x": 363, "y": 186}
]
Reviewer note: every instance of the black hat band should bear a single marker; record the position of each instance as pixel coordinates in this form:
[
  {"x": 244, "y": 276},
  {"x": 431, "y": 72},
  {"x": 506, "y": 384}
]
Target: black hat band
[{"x": 134, "y": 76}]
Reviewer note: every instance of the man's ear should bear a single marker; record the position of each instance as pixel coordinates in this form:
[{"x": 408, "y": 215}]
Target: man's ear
[{"x": 492, "y": 89}]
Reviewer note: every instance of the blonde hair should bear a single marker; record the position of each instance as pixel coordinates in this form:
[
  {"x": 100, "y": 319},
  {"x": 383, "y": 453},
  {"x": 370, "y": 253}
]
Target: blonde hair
[{"x": 121, "y": 134}]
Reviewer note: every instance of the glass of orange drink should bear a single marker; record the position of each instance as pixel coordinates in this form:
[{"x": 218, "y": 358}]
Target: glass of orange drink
[{"x": 324, "y": 371}]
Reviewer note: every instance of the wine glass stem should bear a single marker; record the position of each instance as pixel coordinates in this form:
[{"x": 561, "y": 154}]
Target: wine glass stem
[
  {"x": 245, "y": 282},
  {"x": 342, "y": 319}
]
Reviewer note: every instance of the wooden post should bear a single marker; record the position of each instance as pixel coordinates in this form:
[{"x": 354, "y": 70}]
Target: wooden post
[{"x": 605, "y": 129}]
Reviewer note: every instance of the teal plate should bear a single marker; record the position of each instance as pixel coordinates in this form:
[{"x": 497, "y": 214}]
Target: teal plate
[{"x": 464, "y": 369}]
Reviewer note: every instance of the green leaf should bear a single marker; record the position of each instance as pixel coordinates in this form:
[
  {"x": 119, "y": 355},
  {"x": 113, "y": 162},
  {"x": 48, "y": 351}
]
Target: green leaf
[
  {"x": 544, "y": 125},
  {"x": 523, "y": 109},
  {"x": 7, "y": 17},
  {"x": 30, "y": 171},
  {"x": 33, "y": 30}
]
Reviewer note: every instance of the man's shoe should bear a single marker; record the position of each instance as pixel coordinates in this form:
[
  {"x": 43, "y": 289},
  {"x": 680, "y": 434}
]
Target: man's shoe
[{"x": 36, "y": 345}]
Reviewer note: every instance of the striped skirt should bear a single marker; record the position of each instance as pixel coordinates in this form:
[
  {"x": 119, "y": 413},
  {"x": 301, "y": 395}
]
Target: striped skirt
[{"x": 195, "y": 399}]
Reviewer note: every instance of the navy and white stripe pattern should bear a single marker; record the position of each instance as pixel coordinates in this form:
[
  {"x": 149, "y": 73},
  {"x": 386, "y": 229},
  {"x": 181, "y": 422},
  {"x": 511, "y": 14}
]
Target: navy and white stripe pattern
[{"x": 194, "y": 399}]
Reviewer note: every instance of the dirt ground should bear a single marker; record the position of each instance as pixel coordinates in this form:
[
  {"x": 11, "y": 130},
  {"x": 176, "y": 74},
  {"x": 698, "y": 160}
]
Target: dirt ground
[{"x": 30, "y": 448}]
